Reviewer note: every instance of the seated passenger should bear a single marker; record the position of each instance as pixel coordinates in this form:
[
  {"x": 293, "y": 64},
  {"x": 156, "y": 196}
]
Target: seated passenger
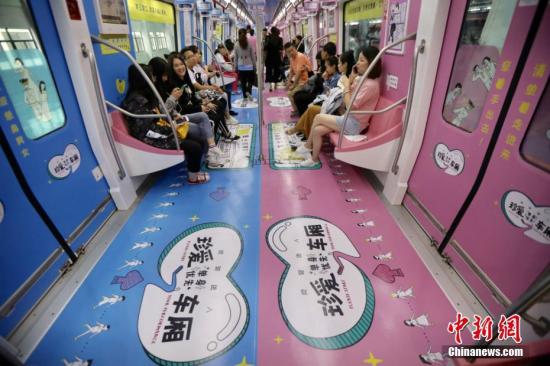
[
  {"x": 159, "y": 69},
  {"x": 186, "y": 102},
  {"x": 300, "y": 66},
  {"x": 200, "y": 78},
  {"x": 318, "y": 84},
  {"x": 366, "y": 100},
  {"x": 303, "y": 126},
  {"x": 158, "y": 132}
]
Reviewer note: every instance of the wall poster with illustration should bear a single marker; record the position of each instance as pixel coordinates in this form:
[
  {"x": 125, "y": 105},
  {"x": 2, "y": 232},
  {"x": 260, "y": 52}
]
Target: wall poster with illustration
[{"x": 396, "y": 25}]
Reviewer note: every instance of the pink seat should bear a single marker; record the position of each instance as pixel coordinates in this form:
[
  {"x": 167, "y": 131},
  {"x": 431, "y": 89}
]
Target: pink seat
[
  {"x": 122, "y": 136},
  {"x": 383, "y": 128},
  {"x": 138, "y": 157},
  {"x": 377, "y": 151}
]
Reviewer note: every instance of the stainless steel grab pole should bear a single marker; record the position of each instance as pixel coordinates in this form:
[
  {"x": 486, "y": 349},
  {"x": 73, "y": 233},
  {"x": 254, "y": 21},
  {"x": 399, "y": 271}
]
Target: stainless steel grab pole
[
  {"x": 362, "y": 80},
  {"x": 418, "y": 50},
  {"x": 315, "y": 42},
  {"x": 102, "y": 110},
  {"x": 149, "y": 82},
  {"x": 213, "y": 57}
]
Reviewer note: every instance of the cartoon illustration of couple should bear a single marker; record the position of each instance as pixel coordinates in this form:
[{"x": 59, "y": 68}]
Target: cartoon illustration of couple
[
  {"x": 485, "y": 72},
  {"x": 35, "y": 96}
]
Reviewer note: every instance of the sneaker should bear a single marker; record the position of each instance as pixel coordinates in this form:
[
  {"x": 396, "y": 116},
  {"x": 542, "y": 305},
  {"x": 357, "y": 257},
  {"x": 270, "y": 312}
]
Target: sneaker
[
  {"x": 233, "y": 113},
  {"x": 215, "y": 151},
  {"x": 308, "y": 163},
  {"x": 302, "y": 149},
  {"x": 231, "y": 121},
  {"x": 230, "y": 138}
]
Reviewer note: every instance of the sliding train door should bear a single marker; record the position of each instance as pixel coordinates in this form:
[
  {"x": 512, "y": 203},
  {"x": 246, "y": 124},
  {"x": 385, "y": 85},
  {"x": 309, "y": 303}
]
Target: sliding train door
[
  {"x": 502, "y": 244},
  {"x": 42, "y": 121},
  {"x": 482, "y": 45}
]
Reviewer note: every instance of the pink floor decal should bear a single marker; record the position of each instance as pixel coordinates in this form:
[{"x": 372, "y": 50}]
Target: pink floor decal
[{"x": 339, "y": 282}]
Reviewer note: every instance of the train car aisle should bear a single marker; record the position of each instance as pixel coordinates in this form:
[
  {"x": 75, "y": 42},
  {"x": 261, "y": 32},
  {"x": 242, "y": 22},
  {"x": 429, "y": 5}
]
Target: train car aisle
[
  {"x": 339, "y": 282},
  {"x": 262, "y": 266},
  {"x": 178, "y": 286}
]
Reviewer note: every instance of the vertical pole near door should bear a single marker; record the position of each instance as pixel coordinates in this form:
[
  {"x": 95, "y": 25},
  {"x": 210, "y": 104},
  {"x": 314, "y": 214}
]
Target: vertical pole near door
[{"x": 260, "y": 74}]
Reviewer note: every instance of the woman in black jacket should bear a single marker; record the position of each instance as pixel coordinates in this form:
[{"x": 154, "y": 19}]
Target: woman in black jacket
[{"x": 156, "y": 131}]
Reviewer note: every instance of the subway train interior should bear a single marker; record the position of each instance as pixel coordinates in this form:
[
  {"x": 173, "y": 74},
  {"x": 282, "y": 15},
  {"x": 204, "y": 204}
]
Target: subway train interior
[{"x": 144, "y": 141}]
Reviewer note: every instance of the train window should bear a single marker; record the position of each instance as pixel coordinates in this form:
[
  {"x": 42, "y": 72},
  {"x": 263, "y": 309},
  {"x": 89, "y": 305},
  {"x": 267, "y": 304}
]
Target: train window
[
  {"x": 362, "y": 22},
  {"x": 153, "y": 28},
  {"x": 26, "y": 74},
  {"x": 482, "y": 36},
  {"x": 536, "y": 143}
]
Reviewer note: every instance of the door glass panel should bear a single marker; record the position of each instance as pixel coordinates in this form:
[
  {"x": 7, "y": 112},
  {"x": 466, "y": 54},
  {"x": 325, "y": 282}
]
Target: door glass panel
[
  {"x": 26, "y": 74},
  {"x": 482, "y": 36},
  {"x": 536, "y": 144},
  {"x": 154, "y": 22},
  {"x": 362, "y": 22}
]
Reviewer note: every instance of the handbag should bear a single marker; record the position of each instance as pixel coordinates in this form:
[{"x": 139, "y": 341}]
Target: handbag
[{"x": 182, "y": 130}]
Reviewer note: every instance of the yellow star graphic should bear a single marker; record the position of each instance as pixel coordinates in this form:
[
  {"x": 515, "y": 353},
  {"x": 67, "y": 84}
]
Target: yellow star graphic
[
  {"x": 194, "y": 218},
  {"x": 267, "y": 217},
  {"x": 278, "y": 339},
  {"x": 372, "y": 360},
  {"x": 243, "y": 362}
]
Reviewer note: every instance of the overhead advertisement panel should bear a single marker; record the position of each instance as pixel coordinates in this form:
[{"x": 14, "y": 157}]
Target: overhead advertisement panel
[
  {"x": 363, "y": 9},
  {"x": 151, "y": 11}
]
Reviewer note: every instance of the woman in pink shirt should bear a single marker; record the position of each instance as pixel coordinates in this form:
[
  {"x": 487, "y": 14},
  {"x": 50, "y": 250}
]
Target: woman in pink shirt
[{"x": 366, "y": 100}]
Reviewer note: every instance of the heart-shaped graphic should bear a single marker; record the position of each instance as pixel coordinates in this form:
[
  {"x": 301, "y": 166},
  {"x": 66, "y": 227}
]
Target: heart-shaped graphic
[
  {"x": 120, "y": 86},
  {"x": 60, "y": 166},
  {"x": 204, "y": 313},
  {"x": 520, "y": 210},
  {"x": 451, "y": 161},
  {"x": 219, "y": 194},
  {"x": 326, "y": 301}
]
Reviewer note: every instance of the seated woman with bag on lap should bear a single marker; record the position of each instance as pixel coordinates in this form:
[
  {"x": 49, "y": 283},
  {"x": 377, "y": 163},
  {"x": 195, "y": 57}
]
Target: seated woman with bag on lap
[
  {"x": 330, "y": 98},
  {"x": 366, "y": 100},
  {"x": 158, "y": 132}
]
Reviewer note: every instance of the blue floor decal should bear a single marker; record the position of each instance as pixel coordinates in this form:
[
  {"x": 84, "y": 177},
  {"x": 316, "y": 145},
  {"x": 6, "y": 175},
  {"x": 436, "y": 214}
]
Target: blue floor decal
[{"x": 144, "y": 304}]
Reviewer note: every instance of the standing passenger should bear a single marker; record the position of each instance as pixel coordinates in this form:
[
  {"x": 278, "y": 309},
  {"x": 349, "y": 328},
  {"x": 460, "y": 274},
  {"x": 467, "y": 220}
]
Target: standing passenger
[{"x": 244, "y": 63}]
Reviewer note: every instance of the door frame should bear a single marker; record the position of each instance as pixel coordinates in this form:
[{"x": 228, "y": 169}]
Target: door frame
[{"x": 431, "y": 27}]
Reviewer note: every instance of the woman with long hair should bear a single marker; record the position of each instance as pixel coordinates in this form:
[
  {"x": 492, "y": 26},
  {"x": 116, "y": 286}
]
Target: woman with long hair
[
  {"x": 245, "y": 60},
  {"x": 187, "y": 102},
  {"x": 157, "y": 132},
  {"x": 273, "y": 57},
  {"x": 366, "y": 99},
  {"x": 303, "y": 126}
]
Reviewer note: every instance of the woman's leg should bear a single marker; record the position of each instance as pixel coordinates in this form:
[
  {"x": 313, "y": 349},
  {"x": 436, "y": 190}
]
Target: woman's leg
[
  {"x": 316, "y": 136},
  {"x": 327, "y": 121},
  {"x": 242, "y": 79},
  {"x": 193, "y": 154},
  {"x": 310, "y": 114},
  {"x": 203, "y": 122}
]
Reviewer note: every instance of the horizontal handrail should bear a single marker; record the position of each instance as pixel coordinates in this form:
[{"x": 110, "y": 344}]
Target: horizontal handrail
[
  {"x": 125, "y": 112},
  {"x": 364, "y": 77},
  {"x": 149, "y": 82},
  {"x": 380, "y": 111},
  {"x": 302, "y": 41},
  {"x": 100, "y": 99},
  {"x": 418, "y": 50}
]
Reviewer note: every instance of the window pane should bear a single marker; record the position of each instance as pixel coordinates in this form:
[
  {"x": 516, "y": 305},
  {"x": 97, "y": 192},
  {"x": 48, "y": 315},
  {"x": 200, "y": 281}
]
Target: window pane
[
  {"x": 482, "y": 36},
  {"x": 362, "y": 24},
  {"x": 27, "y": 77},
  {"x": 536, "y": 144},
  {"x": 157, "y": 27}
]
